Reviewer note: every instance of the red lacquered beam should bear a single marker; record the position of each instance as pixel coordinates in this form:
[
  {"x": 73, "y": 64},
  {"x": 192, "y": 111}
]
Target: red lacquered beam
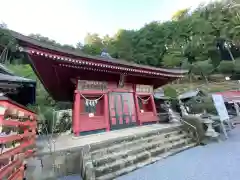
[
  {"x": 18, "y": 175},
  {"x": 9, "y": 168},
  {"x": 16, "y": 150},
  {"x": 11, "y": 138},
  {"x": 17, "y": 123}
]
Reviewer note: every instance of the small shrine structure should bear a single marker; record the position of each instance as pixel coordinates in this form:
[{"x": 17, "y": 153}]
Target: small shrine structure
[
  {"x": 107, "y": 93},
  {"x": 17, "y": 124}
]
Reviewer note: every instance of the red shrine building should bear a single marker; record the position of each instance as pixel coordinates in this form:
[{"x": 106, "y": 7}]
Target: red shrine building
[{"x": 107, "y": 93}]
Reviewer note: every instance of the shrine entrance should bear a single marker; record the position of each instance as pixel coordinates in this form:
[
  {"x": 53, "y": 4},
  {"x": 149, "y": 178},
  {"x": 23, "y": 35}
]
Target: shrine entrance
[{"x": 122, "y": 110}]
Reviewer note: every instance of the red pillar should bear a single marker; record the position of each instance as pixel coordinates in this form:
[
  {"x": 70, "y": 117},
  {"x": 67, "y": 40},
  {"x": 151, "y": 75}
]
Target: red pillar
[
  {"x": 106, "y": 112},
  {"x": 76, "y": 114},
  {"x": 137, "y": 109},
  {"x": 153, "y": 105}
]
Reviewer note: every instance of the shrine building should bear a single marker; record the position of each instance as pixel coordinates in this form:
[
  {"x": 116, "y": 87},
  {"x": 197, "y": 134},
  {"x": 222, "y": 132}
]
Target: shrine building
[{"x": 107, "y": 93}]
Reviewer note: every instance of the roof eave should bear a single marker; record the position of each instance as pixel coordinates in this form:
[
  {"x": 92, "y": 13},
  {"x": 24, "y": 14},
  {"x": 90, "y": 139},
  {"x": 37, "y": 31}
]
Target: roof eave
[{"x": 25, "y": 39}]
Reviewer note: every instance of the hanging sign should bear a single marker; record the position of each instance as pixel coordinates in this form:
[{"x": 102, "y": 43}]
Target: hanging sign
[
  {"x": 144, "y": 88},
  {"x": 84, "y": 85},
  {"x": 220, "y": 106}
]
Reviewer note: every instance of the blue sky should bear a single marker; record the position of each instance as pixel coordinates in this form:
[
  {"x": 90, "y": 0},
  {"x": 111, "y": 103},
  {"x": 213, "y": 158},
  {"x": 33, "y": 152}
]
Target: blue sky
[{"x": 68, "y": 21}]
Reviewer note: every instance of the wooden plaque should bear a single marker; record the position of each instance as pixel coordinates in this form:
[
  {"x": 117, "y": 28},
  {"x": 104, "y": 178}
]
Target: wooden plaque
[
  {"x": 144, "y": 88},
  {"x": 84, "y": 85}
]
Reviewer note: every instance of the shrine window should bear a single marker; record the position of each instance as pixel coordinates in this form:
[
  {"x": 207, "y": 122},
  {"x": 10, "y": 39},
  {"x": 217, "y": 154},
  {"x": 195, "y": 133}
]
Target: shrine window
[
  {"x": 145, "y": 104},
  {"x": 92, "y": 105}
]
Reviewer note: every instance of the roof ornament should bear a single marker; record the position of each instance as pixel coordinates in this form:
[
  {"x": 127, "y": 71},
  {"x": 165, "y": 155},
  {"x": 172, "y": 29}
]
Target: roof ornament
[{"x": 105, "y": 54}]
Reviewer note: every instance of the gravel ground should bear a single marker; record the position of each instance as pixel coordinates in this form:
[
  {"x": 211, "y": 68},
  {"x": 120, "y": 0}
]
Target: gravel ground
[{"x": 216, "y": 161}]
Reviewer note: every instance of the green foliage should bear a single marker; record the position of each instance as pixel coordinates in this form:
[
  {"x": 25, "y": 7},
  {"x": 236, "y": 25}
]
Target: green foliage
[
  {"x": 237, "y": 66},
  {"x": 170, "y": 92},
  {"x": 226, "y": 67},
  {"x": 191, "y": 40},
  {"x": 44, "y": 104},
  {"x": 202, "y": 68},
  {"x": 205, "y": 103}
]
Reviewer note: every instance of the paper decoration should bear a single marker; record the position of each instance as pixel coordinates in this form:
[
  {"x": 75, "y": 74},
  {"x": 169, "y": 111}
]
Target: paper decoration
[{"x": 91, "y": 103}]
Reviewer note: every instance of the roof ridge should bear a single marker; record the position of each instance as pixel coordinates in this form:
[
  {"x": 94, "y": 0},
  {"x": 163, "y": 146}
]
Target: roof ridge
[{"x": 36, "y": 42}]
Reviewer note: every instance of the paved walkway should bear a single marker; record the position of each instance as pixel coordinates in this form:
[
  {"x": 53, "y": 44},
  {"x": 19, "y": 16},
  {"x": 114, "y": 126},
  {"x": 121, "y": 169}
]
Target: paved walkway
[{"x": 217, "y": 161}]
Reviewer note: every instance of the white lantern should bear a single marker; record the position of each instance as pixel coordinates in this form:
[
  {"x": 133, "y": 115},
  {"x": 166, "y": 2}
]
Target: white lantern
[{"x": 91, "y": 114}]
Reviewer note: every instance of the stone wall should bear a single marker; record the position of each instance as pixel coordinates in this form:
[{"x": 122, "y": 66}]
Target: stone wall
[{"x": 53, "y": 165}]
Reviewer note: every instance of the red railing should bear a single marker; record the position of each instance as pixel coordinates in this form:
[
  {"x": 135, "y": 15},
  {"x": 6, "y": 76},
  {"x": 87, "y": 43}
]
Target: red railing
[{"x": 17, "y": 139}]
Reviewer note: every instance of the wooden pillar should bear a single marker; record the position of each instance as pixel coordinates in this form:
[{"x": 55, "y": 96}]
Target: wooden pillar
[
  {"x": 76, "y": 114},
  {"x": 106, "y": 112},
  {"x": 153, "y": 105},
  {"x": 137, "y": 109}
]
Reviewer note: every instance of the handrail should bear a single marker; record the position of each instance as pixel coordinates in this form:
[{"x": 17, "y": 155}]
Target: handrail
[{"x": 182, "y": 120}]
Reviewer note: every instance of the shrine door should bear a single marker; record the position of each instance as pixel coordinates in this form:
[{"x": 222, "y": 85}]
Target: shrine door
[{"x": 122, "y": 110}]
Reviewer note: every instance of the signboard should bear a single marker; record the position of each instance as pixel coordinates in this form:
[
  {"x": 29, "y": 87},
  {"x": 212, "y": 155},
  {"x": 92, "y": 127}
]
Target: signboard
[
  {"x": 220, "y": 106},
  {"x": 144, "y": 88},
  {"x": 84, "y": 85}
]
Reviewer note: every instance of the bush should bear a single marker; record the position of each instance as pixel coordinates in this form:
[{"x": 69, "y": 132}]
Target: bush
[
  {"x": 170, "y": 92},
  {"x": 205, "y": 104},
  {"x": 202, "y": 67},
  {"x": 237, "y": 66},
  {"x": 226, "y": 67}
]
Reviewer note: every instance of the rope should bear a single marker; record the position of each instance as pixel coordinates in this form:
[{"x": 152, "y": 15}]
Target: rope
[
  {"x": 86, "y": 99},
  {"x": 145, "y": 100}
]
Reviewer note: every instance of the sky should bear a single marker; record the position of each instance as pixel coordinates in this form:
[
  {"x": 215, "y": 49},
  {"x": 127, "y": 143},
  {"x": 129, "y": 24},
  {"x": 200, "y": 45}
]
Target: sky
[{"x": 68, "y": 21}]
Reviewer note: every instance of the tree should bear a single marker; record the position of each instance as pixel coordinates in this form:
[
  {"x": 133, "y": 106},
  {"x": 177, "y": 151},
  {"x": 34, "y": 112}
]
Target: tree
[
  {"x": 180, "y": 14},
  {"x": 191, "y": 36}
]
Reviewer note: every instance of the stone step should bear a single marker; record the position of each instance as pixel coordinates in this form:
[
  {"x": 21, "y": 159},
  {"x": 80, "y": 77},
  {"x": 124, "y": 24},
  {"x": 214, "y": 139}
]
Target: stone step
[
  {"x": 127, "y": 144},
  {"x": 160, "y": 140},
  {"x": 132, "y": 167},
  {"x": 146, "y": 152},
  {"x": 96, "y": 147}
]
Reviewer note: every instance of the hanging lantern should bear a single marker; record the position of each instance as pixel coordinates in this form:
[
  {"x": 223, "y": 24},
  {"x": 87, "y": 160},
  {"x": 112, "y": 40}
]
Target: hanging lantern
[{"x": 91, "y": 115}]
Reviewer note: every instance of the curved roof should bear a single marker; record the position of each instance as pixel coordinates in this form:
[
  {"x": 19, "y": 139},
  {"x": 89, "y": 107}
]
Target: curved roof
[
  {"x": 57, "y": 68},
  {"x": 30, "y": 40}
]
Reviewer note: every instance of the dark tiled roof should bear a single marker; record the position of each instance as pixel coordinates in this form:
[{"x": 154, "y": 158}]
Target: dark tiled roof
[
  {"x": 15, "y": 79},
  {"x": 190, "y": 94},
  {"x": 76, "y": 53},
  {"x": 7, "y": 76}
]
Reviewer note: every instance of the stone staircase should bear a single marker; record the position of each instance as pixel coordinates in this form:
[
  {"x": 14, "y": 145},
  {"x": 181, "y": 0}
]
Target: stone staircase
[{"x": 110, "y": 159}]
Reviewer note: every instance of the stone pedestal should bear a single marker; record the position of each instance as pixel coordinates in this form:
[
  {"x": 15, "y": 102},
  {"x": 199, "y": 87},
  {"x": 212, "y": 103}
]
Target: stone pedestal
[{"x": 210, "y": 131}]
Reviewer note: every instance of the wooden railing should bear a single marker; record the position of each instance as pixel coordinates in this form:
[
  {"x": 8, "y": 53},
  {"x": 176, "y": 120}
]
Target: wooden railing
[{"x": 17, "y": 139}]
